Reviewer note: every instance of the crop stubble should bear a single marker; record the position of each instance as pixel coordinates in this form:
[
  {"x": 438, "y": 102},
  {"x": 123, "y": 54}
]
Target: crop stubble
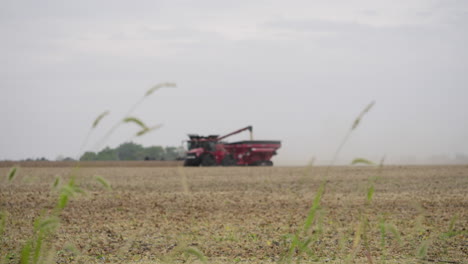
[{"x": 240, "y": 214}]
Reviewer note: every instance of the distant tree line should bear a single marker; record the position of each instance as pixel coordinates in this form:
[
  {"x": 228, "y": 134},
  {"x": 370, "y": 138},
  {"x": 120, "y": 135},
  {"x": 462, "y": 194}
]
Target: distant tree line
[
  {"x": 36, "y": 159},
  {"x": 133, "y": 151}
]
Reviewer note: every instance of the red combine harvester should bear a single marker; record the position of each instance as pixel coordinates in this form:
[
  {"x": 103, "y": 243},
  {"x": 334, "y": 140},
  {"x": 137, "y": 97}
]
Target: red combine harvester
[{"x": 213, "y": 151}]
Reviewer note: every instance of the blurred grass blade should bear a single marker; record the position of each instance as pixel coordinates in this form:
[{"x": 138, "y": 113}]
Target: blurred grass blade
[
  {"x": 356, "y": 123},
  {"x": 368, "y": 108},
  {"x": 158, "y": 86},
  {"x": 67, "y": 190},
  {"x": 147, "y": 130},
  {"x": 383, "y": 231},
  {"x": 56, "y": 183},
  {"x": 362, "y": 161},
  {"x": 196, "y": 253},
  {"x": 358, "y": 119},
  {"x": 37, "y": 249},
  {"x": 422, "y": 250},
  {"x": 394, "y": 232},
  {"x": 3, "y": 217},
  {"x": 370, "y": 193},
  {"x": 103, "y": 182},
  {"x": 451, "y": 231},
  {"x": 305, "y": 244},
  {"x": 294, "y": 245},
  {"x": 452, "y": 223},
  {"x": 12, "y": 173},
  {"x": 26, "y": 253},
  {"x": 47, "y": 225},
  {"x": 142, "y": 132},
  {"x": 315, "y": 206},
  {"x": 346, "y": 137},
  {"x": 136, "y": 121},
  {"x": 72, "y": 249},
  {"x": 62, "y": 202},
  {"x": 99, "y": 118}
]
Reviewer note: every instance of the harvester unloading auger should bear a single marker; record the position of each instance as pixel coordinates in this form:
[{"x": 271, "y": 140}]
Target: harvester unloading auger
[{"x": 213, "y": 151}]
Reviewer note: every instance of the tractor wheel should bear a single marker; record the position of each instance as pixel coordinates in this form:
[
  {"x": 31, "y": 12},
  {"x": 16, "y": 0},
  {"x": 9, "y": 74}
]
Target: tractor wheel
[
  {"x": 207, "y": 160},
  {"x": 191, "y": 163},
  {"x": 228, "y": 161}
]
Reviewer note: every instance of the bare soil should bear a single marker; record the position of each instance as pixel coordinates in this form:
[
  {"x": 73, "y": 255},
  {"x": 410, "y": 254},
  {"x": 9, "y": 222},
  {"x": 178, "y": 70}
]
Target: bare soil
[
  {"x": 60, "y": 164},
  {"x": 244, "y": 214}
]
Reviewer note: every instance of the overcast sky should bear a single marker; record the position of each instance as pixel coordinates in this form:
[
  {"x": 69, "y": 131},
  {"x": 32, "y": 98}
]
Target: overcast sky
[{"x": 297, "y": 71}]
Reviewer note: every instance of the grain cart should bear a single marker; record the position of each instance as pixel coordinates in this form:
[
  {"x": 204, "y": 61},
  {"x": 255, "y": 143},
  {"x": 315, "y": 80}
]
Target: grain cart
[{"x": 212, "y": 150}]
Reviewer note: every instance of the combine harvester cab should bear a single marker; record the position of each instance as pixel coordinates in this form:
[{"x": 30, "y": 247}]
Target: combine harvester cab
[{"x": 212, "y": 151}]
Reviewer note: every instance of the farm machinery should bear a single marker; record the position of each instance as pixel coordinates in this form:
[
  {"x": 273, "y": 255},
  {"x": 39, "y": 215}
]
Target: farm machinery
[{"x": 212, "y": 150}]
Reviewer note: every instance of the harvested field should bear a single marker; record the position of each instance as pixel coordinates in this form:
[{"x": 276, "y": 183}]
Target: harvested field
[
  {"x": 244, "y": 214},
  {"x": 46, "y": 164}
]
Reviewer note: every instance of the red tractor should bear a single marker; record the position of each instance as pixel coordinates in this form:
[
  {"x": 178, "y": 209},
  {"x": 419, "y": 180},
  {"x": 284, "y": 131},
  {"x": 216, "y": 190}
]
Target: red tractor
[{"x": 213, "y": 151}]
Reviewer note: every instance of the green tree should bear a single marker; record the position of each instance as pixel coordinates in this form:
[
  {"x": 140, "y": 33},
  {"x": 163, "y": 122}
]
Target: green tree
[
  {"x": 88, "y": 156},
  {"x": 133, "y": 151},
  {"x": 171, "y": 153},
  {"x": 154, "y": 153},
  {"x": 107, "y": 154},
  {"x": 130, "y": 151}
]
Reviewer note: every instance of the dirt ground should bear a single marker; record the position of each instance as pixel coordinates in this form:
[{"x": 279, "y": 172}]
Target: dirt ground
[{"x": 244, "y": 214}]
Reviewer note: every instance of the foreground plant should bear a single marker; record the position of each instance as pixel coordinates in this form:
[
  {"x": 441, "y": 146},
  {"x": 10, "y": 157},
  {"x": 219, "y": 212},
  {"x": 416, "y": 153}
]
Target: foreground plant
[
  {"x": 362, "y": 236},
  {"x": 300, "y": 242},
  {"x": 39, "y": 247}
]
